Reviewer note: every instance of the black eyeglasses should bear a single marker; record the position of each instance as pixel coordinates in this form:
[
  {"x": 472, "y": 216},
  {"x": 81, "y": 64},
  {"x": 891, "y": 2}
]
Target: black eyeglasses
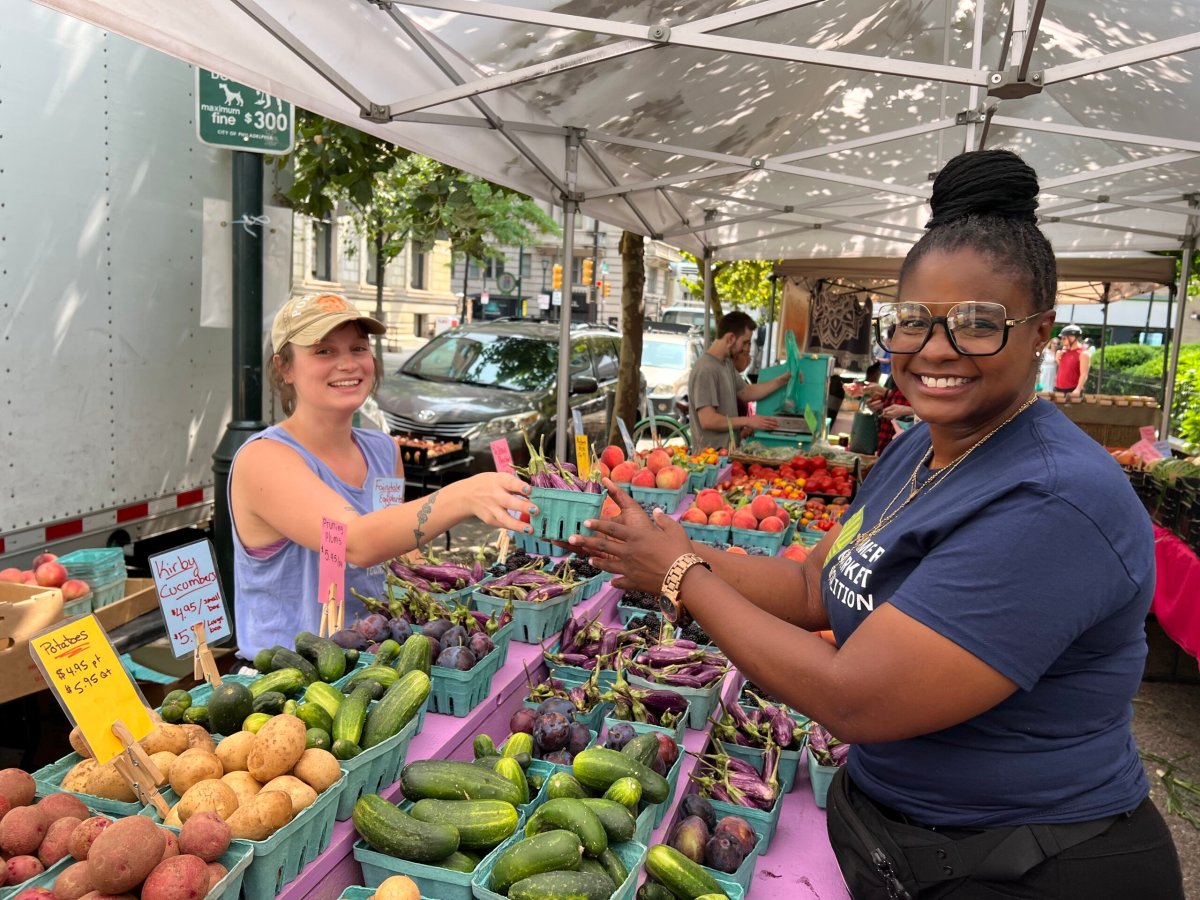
[{"x": 974, "y": 329}]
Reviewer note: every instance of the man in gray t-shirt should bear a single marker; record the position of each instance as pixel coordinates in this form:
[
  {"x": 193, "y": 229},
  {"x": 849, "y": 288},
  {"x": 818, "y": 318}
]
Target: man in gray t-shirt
[{"x": 714, "y": 386}]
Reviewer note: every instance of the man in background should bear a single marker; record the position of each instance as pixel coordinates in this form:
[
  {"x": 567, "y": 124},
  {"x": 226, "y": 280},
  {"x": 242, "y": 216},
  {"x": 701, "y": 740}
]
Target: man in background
[{"x": 1073, "y": 362}]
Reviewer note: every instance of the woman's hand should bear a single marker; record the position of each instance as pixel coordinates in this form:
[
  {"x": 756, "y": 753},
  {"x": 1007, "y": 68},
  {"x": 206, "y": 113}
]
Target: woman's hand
[
  {"x": 896, "y": 411},
  {"x": 494, "y": 495},
  {"x": 639, "y": 555}
]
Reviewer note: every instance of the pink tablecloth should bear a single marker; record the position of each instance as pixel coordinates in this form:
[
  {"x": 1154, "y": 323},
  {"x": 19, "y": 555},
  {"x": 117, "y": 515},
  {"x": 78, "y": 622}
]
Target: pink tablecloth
[{"x": 1177, "y": 590}]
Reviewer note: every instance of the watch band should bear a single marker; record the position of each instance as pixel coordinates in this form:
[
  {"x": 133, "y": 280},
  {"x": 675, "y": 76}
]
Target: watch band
[{"x": 673, "y": 582}]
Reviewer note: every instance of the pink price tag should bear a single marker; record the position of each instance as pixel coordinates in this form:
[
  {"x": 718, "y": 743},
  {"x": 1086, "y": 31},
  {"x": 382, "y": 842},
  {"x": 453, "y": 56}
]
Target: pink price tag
[
  {"x": 502, "y": 455},
  {"x": 1149, "y": 433},
  {"x": 333, "y": 561}
]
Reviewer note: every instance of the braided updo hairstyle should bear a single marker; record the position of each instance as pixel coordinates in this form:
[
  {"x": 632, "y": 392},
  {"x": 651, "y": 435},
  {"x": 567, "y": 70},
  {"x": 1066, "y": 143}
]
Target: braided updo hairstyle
[{"x": 986, "y": 201}]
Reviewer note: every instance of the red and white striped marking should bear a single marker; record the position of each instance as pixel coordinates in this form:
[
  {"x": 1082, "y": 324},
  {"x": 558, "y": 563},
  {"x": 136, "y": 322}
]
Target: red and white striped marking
[{"x": 130, "y": 513}]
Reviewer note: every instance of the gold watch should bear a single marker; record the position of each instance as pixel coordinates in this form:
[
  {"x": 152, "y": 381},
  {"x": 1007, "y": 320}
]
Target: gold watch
[{"x": 668, "y": 600}]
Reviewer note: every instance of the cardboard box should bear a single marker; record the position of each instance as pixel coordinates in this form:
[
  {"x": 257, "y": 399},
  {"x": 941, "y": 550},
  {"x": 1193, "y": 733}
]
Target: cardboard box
[
  {"x": 157, "y": 660},
  {"x": 140, "y": 598},
  {"x": 24, "y": 611}
]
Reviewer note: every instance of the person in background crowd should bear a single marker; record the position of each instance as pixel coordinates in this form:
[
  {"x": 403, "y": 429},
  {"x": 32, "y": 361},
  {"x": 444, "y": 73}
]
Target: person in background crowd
[
  {"x": 715, "y": 387},
  {"x": 1073, "y": 362},
  {"x": 1049, "y": 367},
  {"x": 314, "y": 465},
  {"x": 987, "y": 588},
  {"x": 741, "y": 362}
]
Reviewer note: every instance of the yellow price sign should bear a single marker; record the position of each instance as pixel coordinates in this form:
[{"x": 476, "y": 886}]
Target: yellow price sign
[
  {"x": 93, "y": 687},
  {"x": 582, "y": 459}
]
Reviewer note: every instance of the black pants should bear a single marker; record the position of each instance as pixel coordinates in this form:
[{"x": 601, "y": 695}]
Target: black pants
[{"x": 1135, "y": 858}]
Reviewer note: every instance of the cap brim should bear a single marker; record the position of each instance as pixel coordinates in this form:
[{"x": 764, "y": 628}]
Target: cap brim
[{"x": 315, "y": 331}]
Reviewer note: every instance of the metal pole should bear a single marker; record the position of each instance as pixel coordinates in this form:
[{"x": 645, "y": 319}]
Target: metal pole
[
  {"x": 520, "y": 268},
  {"x": 708, "y": 286},
  {"x": 1103, "y": 339},
  {"x": 770, "y": 355},
  {"x": 564, "y": 337},
  {"x": 1189, "y": 250},
  {"x": 247, "y": 197}
]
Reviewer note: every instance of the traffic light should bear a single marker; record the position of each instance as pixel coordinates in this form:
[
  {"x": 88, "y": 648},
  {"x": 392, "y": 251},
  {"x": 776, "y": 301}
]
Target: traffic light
[
  {"x": 607, "y": 288},
  {"x": 556, "y": 277},
  {"x": 587, "y": 271}
]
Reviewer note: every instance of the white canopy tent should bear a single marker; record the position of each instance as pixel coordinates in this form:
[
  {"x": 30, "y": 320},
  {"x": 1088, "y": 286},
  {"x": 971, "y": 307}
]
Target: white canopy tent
[{"x": 754, "y": 129}]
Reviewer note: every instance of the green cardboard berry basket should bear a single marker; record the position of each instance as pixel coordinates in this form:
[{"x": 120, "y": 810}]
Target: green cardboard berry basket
[
  {"x": 456, "y": 693},
  {"x": 745, "y": 872},
  {"x": 534, "y": 621},
  {"x": 748, "y": 537},
  {"x": 675, "y": 731},
  {"x": 48, "y": 778},
  {"x": 701, "y": 701},
  {"x": 631, "y": 854},
  {"x": 708, "y": 534},
  {"x": 668, "y": 500},
  {"x": 820, "y": 777},
  {"x": 533, "y": 545},
  {"x": 561, "y": 513},
  {"x": 376, "y": 767},
  {"x": 626, "y": 613}
]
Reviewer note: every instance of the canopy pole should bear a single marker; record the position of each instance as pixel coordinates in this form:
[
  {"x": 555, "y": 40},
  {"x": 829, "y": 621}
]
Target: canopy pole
[
  {"x": 1189, "y": 249},
  {"x": 770, "y": 348},
  {"x": 708, "y": 287},
  {"x": 1103, "y": 338},
  {"x": 570, "y": 204}
]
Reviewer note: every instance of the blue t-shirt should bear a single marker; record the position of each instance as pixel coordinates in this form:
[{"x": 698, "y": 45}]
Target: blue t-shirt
[{"x": 1036, "y": 556}]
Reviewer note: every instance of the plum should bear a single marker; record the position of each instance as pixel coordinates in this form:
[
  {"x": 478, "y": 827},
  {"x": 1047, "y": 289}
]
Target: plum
[
  {"x": 435, "y": 646},
  {"x": 551, "y": 731},
  {"x": 456, "y": 658},
  {"x": 349, "y": 639},
  {"x": 740, "y": 830},
  {"x": 690, "y": 837},
  {"x": 723, "y": 852},
  {"x": 658, "y": 766},
  {"x": 522, "y": 720},
  {"x": 480, "y": 644},
  {"x": 619, "y": 735},
  {"x": 561, "y": 757},
  {"x": 455, "y": 636},
  {"x": 559, "y": 705},
  {"x": 374, "y": 628},
  {"x": 668, "y": 750},
  {"x": 435, "y": 628},
  {"x": 579, "y": 738},
  {"x": 400, "y": 629},
  {"x": 695, "y": 805}
]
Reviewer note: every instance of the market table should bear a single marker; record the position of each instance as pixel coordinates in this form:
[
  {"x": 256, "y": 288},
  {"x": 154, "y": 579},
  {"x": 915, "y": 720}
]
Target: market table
[
  {"x": 800, "y": 863},
  {"x": 1177, "y": 590}
]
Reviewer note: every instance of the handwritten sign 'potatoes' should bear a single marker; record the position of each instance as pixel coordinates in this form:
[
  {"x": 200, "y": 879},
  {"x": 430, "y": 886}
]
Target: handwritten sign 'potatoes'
[{"x": 189, "y": 592}]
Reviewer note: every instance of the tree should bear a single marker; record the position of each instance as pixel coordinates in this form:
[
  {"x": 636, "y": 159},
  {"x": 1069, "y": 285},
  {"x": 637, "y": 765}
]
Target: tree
[
  {"x": 741, "y": 282},
  {"x": 629, "y": 395}
]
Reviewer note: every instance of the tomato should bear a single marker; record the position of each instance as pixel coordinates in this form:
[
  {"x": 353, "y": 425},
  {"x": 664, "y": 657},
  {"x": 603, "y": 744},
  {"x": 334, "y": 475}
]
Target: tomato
[{"x": 819, "y": 462}]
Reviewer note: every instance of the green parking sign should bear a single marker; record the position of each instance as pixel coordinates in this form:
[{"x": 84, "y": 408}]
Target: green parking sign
[{"x": 236, "y": 116}]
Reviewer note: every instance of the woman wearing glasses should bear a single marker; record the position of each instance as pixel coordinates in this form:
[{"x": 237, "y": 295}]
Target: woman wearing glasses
[{"x": 987, "y": 589}]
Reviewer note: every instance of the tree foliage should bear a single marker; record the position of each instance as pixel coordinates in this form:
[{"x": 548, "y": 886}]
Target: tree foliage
[{"x": 741, "y": 284}]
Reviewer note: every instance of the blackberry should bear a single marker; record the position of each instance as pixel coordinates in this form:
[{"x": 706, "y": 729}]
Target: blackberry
[
  {"x": 693, "y": 632},
  {"x": 640, "y": 599}
]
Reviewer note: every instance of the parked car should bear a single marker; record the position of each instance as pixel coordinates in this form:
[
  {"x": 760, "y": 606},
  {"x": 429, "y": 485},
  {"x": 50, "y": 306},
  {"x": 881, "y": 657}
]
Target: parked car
[
  {"x": 492, "y": 380},
  {"x": 691, "y": 316},
  {"x": 668, "y": 354}
]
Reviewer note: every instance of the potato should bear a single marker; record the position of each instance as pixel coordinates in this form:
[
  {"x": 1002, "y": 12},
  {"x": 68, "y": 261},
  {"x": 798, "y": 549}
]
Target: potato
[
  {"x": 83, "y": 835},
  {"x": 179, "y": 878},
  {"x": 34, "y": 893},
  {"x": 191, "y": 767},
  {"x": 22, "y": 831},
  {"x": 166, "y": 737},
  {"x": 58, "y": 806},
  {"x": 318, "y": 769},
  {"x": 73, "y": 882},
  {"x": 5, "y": 806},
  {"x": 105, "y": 781},
  {"x": 77, "y": 778},
  {"x": 277, "y": 747},
  {"x": 17, "y": 787},
  {"x": 397, "y": 887},
  {"x": 172, "y": 820},
  {"x": 22, "y": 868},
  {"x": 57, "y": 842},
  {"x": 216, "y": 872},
  {"x": 210, "y": 795},
  {"x": 233, "y": 750},
  {"x": 163, "y": 761},
  {"x": 172, "y": 845},
  {"x": 205, "y": 835},
  {"x": 302, "y": 795},
  {"x": 125, "y": 853},
  {"x": 266, "y": 812},
  {"x": 101, "y": 895},
  {"x": 199, "y": 738},
  {"x": 243, "y": 784},
  {"x": 79, "y": 743}
]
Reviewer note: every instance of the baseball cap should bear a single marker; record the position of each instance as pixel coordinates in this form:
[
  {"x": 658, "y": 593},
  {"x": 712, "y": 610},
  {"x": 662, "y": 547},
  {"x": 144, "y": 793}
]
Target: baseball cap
[
  {"x": 305, "y": 320},
  {"x": 1071, "y": 329}
]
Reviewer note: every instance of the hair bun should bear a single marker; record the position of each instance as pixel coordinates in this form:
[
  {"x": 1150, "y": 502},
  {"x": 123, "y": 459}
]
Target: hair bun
[{"x": 984, "y": 183}]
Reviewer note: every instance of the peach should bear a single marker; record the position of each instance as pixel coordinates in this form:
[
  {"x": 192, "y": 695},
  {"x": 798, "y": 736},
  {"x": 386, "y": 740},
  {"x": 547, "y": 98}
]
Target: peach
[
  {"x": 51, "y": 574},
  {"x": 16, "y": 576},
  {"x": 795, "y": 552},
  {"x": 695, "y": 515},
  {"x": 771, "y": 523},
  {"x": 658, "y": 459},
  {"x": 763, "y": 505},
  {"x": 782, "y": 513},
  {"x": 743, "y": 518},
  {"x": 623, "y": 473},
  {"x": 644, "y": 478},
  {"x": 670, "y": 478},
  {"x": 738, "y": 550},
  {"x": 27, "y": 577},
  {"x": 609, "y": 509},
  {"x": 612, "y": 456},
  {"x": 74, "y": 588},
  {"x": 722, "y": 516},
  {"x": 709, "y": 500},
  {"x": 43, "y": 558},
  {"x": 605, "y": 471}
]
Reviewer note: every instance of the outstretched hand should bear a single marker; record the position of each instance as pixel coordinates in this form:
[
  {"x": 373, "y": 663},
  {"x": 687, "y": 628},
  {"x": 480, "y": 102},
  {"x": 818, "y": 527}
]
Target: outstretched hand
[
  {"x": 496, "y": 495},
  {"x": 639, "y": 554}
]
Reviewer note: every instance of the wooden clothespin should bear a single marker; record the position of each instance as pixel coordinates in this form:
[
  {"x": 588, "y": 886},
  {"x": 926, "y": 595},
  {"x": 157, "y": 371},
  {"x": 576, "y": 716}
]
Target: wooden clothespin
[
  {"x": 138, "y": 770},
  {"x": 203, "y": 663},
  {"x": 329, "y": 614},
  {"x": 503, "y": 542}
]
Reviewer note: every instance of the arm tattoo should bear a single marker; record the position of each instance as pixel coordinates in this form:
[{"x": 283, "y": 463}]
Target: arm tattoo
[{"x": 423, "y": 517}]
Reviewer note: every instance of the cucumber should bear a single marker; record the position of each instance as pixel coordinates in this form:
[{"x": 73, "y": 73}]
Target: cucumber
[
  {"x": 626, "y": 791},
  {"x": 385, "y": 655},
  {"x": 679, "y": 874},
  {"x": 351, "y": 658},
  {"x": 414, "y": 654},
  {"x": 564, "y": 784},
  {"x": 262, "y": 659},
  {"x": 385, "y": 675},
  {"x": 481, "y": 824},
  {"x": 290, "y": 707},
  {"x": 270, "y": 703},
  {"x": 325, "y": 696},
  {"x": 390, "y": 830},
  {"x": 573, "y": 816},
  {"x": 599, "y": 767},
  {"x": 546, "y": 852},
  {"x": 196, "y": 715},
  {"x": 482, "y": 746},
  {"x": 619, "y": 823},
  {"x": 228, "y": 706},
  {"x": 289, "y": 659},
  {"x": 563, "y": 886},
  {"x": 517, "y": 743},
  {"x": 453, "y": 780},
  {"x": 652, "y": 890},
  {"x": 507, "y": 767},
  {"x": 285, "y": 681},
  {"x": 352, "y": 715},
  {"x": 318, "y": 738},
  {"x": 331, "y": 661},
  {"x": 489, "y": 762},
  {"x": 313, "y": 715},
  {"x": 180, "y": 697},
  {"x": 252, "y": 723},
  {"x": 399, "y": 704},
  {"x": 458, "y": 861},
  {"x": 590, "y": 864},
  {"x": 643, "y": 748},
  {"x": 613, "y": 867},
  {"x": 344, "y": 750}
]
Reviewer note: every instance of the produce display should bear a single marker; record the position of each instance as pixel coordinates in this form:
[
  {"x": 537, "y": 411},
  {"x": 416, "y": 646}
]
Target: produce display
[
  {"x": 548, "y": 732},
  {"x": 718, "y": 843},
  {"x": 795, "y": 478},
  {"x": 673, "y": 876},
  {"x": 47, "y": 571}
]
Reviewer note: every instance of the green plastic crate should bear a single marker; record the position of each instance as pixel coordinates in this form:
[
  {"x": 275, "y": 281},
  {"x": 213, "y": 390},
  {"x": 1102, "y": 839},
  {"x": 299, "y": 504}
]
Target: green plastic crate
[
  {"x": 534, "y": 621},
  {"x": 95, "y": 564},
  {"x": 676, "y": 731},
  {"x": 820, "y": 777},
  {"x": 631, "y": 853},
  {"x": 375, "y": 768}
]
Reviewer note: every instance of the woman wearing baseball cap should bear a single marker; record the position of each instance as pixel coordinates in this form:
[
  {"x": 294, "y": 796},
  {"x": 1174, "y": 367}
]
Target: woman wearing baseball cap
[{"x": 315, "y": 465}]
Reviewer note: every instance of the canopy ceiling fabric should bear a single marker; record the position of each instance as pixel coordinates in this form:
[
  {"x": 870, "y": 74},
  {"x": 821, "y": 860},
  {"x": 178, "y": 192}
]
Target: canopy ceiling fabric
[{"x": 770, "y": 129}]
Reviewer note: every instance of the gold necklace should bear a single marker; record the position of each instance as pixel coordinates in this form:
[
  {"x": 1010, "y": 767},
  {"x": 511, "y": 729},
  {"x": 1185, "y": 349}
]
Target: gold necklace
[{"x": 937, "y": 478}]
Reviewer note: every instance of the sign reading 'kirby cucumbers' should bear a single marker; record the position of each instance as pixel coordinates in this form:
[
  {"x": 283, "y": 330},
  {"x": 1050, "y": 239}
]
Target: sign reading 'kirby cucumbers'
[{"x": 189, "y": 592}]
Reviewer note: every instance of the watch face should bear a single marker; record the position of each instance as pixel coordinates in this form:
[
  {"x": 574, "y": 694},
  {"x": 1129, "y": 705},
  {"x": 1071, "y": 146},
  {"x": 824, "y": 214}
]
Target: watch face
[{"x": 669, "y": 610}]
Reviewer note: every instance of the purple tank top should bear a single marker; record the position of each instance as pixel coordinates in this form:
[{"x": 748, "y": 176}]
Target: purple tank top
[{"x": 276, "y": 597}]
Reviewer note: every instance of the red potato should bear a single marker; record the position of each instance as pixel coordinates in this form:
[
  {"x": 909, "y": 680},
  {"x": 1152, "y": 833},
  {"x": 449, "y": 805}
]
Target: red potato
[
  {"x": 205, "y": 835},
  {"x": 16, "y": 785},
  {"x": 100, "y": 895},
  {"x": 34, "y": 893},
  {"x": 5, "y": 806},
  {"x": 22, "y": 868},
  {"x": 172, "y": 846},
  {"x": 83, "y": 835},
  {"x": 59, "y": 806},
  {"x": 125, "y": 853},
  {"x": 22, "y": 830},
  {"x": 178, "y": 878},
  {"x": 57, "y": 842},
  {"x": 73, "y": 882},
  {"x": 216, "y": 872}
]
